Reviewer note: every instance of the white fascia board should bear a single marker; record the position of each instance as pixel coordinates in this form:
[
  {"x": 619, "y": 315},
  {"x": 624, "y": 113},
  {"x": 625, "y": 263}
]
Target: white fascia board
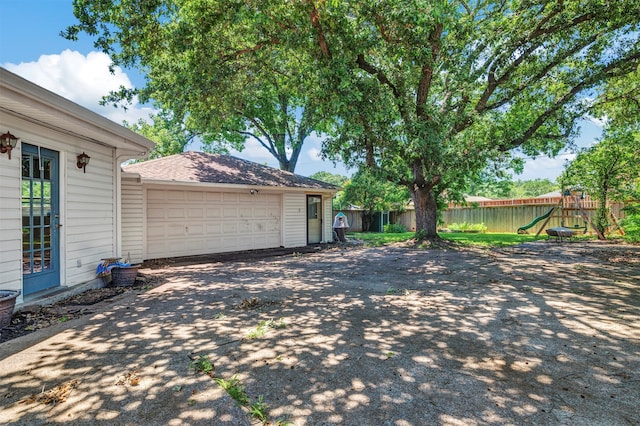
[{"x": 236, "y": 187}]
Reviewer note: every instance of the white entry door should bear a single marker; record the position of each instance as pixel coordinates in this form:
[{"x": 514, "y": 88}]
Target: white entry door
[{"x": 314, "y": 219}]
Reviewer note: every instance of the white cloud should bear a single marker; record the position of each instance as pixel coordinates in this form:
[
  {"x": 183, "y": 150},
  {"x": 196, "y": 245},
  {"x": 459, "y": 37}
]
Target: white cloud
[
  {"x": 314, "y": 154},
  {"x": 83, "y": 80},
  {"x": 255, "y": 152},
  {"x": 600, "y": 122},
  {"x": 544, "y": 167}
]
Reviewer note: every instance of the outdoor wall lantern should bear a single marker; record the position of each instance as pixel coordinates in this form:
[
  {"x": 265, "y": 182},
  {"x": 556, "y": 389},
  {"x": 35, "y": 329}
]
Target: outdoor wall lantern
[
  {"x": 254, "y": 191},
  {"x": 7, "y": 143},
  {"x": 83, "y": 160}
]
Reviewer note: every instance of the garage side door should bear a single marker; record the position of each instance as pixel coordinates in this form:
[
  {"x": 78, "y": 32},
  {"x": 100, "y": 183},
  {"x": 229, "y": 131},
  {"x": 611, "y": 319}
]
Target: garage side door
[{"x": 186, "y": 223}]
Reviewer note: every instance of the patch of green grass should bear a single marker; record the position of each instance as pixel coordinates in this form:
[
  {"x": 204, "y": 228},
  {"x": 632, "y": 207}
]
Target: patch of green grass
[
  {"x": 463, "y": 239},
  {"x": 395, "y": 290},
  {"x": 263, "y": 326},
  {"x": 259, "y": 410},
  {"x": 381, "y": 239},
  {"x": 487, "y": 239},
  {"x": 234, "y": 389},
  {"x": 202, "y": 364}
]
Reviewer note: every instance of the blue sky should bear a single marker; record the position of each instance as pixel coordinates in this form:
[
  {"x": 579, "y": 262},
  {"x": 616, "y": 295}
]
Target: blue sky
[{"x": 30, "y": 46}]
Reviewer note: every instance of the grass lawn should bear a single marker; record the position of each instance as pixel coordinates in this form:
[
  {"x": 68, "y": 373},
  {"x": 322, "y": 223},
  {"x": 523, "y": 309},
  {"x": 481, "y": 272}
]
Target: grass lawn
[{"x": 463, "y": 238}]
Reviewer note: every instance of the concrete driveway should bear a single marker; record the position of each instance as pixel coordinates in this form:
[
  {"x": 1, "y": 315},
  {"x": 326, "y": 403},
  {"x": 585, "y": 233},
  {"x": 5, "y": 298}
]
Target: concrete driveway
[{"x": 541, "y": 333}]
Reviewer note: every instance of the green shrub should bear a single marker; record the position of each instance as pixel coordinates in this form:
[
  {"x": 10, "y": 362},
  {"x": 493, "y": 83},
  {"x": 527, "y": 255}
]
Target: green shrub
[
  {"x": 468, "y": 227},
  {"x": 395, "y": 228},
  {"x": 631, "y": 224}
]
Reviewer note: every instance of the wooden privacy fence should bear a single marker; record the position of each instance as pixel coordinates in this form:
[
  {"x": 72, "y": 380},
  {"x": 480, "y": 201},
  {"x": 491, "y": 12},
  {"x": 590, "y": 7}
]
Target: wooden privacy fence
[{"x": 509, "y": 215}]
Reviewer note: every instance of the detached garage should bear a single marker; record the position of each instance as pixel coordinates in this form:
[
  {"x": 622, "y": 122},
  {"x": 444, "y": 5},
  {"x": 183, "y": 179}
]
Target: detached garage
[{"x": 196, "y": 203}]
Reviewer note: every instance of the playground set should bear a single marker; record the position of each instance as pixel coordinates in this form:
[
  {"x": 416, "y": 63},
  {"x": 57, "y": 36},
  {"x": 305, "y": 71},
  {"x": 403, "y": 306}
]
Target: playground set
[{"x": 572, "y": 211}]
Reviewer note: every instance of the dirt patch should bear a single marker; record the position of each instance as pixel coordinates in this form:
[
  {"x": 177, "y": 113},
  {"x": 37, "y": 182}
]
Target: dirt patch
[{"x": 37, "y": 317}]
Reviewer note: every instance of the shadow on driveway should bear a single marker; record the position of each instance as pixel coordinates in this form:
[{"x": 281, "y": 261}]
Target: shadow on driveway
[{"x": 540, "y": 333}]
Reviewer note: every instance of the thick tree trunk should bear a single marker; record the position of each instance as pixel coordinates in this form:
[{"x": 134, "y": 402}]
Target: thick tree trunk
[
  {"x": 424, "y": 201},
  {"x": 367, "y": 220}
]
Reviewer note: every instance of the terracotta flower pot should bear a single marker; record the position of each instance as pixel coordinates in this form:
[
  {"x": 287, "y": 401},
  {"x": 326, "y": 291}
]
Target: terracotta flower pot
[{"x": 7, "y": 304}]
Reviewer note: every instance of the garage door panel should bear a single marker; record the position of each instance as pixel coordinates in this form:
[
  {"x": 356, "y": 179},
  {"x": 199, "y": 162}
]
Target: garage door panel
[
  {"x": 174, "y": 195},
  {"x": 215, "y": 197},
  {"x": 213, "y": 229},
  {"x": 174, "y": 230},
  {"x": 230, "y": 228},
  {"x": 175, "y": 213},
  {"x": 195, "y": 212},
  {"x": 214, "y": 212},
  {"x": 229, "y": 197},
  {"x": 155, "y": 213},
  {"x": 183, "y": 223},
  {"x": 196, "y": 229},
  {"x": 155, "y": 195},
  {"x": 195, "y": 196}
]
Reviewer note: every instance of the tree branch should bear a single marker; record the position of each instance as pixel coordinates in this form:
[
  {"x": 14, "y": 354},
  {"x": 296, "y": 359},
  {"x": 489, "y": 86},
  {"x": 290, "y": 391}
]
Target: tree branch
[
  {"x": 426, "y": 74},
  {"x": 382, "y": 78},
  {"x": 611, "y": 70},
  {"x": 241, "y": 52},
  {"x": 314, "y": 15}
]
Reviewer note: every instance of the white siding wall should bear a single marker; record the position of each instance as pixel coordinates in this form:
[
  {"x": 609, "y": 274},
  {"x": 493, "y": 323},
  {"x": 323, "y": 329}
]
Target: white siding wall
[
  {"x": 295, "y": 220},
  {"x": 10, "y": 235},
  {"x": 132, "y": 219},
  {"x": 89, "y": 214},
  {"x": 327, "y": 219}
]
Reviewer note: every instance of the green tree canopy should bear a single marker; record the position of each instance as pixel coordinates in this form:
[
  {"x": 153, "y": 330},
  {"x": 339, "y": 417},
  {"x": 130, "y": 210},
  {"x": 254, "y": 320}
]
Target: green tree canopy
[
  {"x": 372, "y": 194},
  {"x": 222, "y": 68},
  {"x": 333, "y": 179},
  {"x": 608, "y": 171},
  {"x": 170, "y": 136}
]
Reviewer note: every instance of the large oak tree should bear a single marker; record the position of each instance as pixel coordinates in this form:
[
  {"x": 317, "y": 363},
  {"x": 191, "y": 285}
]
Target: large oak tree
[
  {"x": 432, "y": 90},
  {"x": 424, "y": 92}
]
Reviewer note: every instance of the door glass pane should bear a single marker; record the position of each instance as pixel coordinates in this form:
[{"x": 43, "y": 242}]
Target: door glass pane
[
  {"x": 47, "y": 169},
  {"x": 46, "y": 261},
  {"x": 26, "y": 167},
  {"x": 46, "y": 241},
  {"x": 313, "y": 207},
  {"x": 37, "y": 237},
  {"x": 35, "y": 172},
  {"x": 37, "y": 261}
]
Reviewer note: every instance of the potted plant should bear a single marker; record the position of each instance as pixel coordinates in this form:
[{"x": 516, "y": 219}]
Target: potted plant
[
  {"x": 124, "y": 275},
  {"x": 114, "y": 272},
  {"x": 7, "y": 304}
]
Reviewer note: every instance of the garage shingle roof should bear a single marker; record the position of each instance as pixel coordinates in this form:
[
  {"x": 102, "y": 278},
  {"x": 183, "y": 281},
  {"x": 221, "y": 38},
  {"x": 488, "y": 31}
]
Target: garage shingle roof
[{"x": 200, "y": 167}]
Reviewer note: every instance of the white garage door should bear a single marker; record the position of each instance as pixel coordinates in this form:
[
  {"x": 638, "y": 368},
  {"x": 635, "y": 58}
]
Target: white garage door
[{"x": 185, "y": 223}]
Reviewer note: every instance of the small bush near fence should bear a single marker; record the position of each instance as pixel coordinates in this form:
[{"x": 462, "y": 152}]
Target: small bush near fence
[
  {"x": 394, "y": 228},
  {"x": 631, "y": 224},
  {"x": 468, "y": 227}
]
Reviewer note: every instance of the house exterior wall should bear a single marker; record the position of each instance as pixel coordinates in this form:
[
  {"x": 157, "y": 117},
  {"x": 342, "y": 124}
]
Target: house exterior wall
[
  {"x": 133, "y": 219},
  {"x": 295, "y": 219},
  {"x": 86, "y": 204},
  {"x": 327, "y": 218}
]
